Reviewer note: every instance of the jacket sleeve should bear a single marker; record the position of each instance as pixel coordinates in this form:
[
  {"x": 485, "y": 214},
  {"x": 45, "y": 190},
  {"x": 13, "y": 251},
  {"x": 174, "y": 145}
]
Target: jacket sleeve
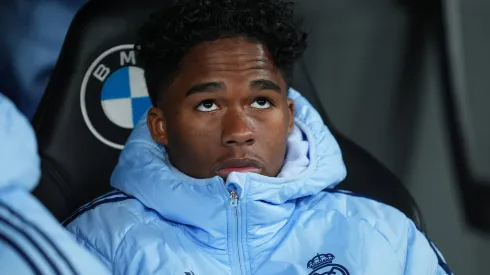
[
  {"x": 13, "y": 259},
  {"x": 33, "y": 242},
  {"x": 421, "y": 255}
]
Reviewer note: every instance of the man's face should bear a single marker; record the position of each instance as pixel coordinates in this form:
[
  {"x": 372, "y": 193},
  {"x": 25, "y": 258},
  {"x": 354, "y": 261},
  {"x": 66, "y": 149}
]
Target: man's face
[{"x": 226, "y": 110}]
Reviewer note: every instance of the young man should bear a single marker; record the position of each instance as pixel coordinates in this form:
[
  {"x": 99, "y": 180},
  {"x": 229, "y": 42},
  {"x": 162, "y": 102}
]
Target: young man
[
  {"x": 31, "y": 240},
  {"x": 226, "y": 175}
]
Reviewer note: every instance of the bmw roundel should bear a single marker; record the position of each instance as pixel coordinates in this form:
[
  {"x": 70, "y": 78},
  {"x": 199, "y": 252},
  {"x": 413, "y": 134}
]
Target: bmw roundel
[{"x": 114, "y": 96}]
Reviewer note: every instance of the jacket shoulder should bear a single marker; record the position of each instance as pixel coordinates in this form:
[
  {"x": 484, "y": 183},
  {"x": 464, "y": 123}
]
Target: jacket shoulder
[
  {"x": 101, "y": 225},
  {"x": 415, "y": 251},
  {"x": 388, "y": 221}
]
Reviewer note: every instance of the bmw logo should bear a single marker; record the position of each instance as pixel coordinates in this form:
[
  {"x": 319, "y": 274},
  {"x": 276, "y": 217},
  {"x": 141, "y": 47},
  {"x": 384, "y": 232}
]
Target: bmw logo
[{"x": 114, "y": 96}]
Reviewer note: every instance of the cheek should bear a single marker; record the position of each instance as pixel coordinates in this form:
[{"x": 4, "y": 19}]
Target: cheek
[
  {"x": 196, "y": 136},
  {"x": 274, "y": 131},
  {"x": 275, "y": 124}
]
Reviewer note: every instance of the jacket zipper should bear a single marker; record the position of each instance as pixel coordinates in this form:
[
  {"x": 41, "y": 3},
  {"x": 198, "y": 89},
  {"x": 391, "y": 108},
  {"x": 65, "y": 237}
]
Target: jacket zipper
[{"x": 234, "y": 200}]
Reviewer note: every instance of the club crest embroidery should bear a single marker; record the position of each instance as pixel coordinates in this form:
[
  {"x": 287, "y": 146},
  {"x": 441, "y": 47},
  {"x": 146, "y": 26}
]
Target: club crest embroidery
[{"x": 322, "y": 264}]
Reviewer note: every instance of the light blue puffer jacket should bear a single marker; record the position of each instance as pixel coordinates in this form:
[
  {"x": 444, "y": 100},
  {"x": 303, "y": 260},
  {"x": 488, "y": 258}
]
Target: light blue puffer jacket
[
  {"x": 164, "y": 222},
  {"x": 31, "y": 240}
]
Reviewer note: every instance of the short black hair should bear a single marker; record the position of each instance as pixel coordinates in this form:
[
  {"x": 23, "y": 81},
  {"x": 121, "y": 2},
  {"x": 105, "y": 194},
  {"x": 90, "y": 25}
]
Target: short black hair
[{"x": 169, "y": 35}]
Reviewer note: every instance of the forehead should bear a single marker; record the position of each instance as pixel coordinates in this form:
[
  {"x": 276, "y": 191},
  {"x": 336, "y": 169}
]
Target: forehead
[{"x": 228, "y": 56}]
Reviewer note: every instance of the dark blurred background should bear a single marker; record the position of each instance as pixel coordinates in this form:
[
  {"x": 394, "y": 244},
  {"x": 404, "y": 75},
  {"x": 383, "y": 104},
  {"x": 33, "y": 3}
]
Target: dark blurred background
[{"x": 407, "y": 80}]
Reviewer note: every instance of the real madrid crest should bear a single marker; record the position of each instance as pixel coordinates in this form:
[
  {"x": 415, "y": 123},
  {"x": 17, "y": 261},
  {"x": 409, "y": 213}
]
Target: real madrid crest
[
  {"x": 322, "y": 264},
  {"x": 113, "y": 95}
]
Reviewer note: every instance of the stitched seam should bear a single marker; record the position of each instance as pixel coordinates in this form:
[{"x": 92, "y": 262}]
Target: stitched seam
[
  {"x": 140, "y": 221},
  {"x": 387, "y": 240},
  {"x": 136, "y": 214},
  {"x": 405, "y": 259},
  {"x": 119, "y": 246},
  {"x": 126, "y": 234},
  {"x": 89, "y": 244}
]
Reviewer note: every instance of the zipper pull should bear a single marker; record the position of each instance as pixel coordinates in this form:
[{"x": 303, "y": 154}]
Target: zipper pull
[{"x": 233, "y": 198}]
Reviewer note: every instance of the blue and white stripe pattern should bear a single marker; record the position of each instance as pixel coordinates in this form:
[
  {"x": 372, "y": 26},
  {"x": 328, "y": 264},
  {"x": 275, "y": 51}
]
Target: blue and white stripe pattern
[
  {"x": 32, "y": 244},
  {"x": 113, "y": 196},
  {"x": 31, "y": 240}
]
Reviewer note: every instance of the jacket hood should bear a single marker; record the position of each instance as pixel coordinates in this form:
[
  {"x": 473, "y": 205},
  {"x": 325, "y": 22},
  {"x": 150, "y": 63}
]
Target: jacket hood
[
  {"x": 145, "y": 172},
  {"x": 19, "y": 161}
]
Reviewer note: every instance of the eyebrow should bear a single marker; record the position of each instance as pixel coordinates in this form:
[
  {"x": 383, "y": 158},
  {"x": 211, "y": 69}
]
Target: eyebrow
[
  {"x": 205, "y": 88},
  {"x": 259, "y": 84},
  {"x": 264, "y": 84}
]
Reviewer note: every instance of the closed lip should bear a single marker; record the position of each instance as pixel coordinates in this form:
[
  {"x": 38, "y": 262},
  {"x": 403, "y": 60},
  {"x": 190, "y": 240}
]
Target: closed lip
[{"x": 224, "y": 168}]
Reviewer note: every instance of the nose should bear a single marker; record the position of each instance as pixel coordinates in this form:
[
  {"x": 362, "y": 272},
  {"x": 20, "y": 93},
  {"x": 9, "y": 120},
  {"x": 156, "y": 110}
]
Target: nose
[{"x": 237, "y": 129}]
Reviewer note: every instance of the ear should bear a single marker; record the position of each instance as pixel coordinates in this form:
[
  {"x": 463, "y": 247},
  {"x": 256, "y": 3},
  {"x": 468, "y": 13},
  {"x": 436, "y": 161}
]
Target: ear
[
  {"x": 290, "y": 103},
  {"x": 157, "y": 124}
]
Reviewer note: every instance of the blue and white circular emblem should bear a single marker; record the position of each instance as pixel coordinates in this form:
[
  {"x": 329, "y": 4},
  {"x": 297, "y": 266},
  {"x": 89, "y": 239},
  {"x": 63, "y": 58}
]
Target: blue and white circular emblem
[
  {"x": 125, "y": 97},
  {"x": 114, "y": 96}
]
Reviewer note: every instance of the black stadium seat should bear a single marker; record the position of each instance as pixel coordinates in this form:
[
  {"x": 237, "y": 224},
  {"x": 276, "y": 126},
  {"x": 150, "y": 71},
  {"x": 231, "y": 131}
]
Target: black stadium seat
[{"x": 80, "y": 135}]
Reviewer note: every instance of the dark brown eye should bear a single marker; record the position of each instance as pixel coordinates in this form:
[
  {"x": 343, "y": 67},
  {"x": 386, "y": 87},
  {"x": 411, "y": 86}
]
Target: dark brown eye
[
  {"x": 261, "y": 103},
  {"x": 207, "y": 106}
]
